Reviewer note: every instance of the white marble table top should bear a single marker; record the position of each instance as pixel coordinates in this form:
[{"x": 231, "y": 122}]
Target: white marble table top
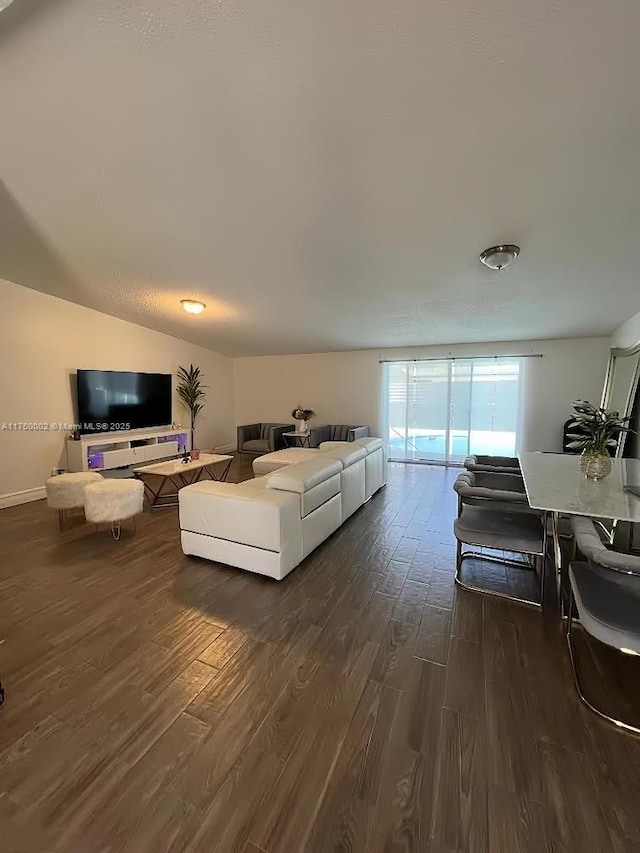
[
  {"x": 177, "y": 466},
  {"x": 553, "y": 481}
]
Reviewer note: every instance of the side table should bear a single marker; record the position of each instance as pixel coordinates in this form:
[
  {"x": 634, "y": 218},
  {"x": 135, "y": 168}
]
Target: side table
[{"x": 297, "y": 439}]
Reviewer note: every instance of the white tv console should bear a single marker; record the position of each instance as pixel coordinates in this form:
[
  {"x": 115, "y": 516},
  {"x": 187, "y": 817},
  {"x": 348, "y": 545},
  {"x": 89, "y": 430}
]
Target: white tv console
[{"x": 105, "y": 451}]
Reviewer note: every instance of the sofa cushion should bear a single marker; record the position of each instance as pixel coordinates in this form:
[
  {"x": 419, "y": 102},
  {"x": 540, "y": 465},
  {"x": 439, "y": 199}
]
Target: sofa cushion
[
  {"x": 344, "y": 452},
  {"x": 256, "y": 445},
  {"x": 281, "y": 458},
  {"x": 304, "y": 476},
  {"x": 369, "y": 444},
  {"x": 315, "y": 481},
  {"x": 499, "y": 529}
]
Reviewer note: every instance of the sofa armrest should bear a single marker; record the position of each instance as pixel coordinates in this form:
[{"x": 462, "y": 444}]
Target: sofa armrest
[
  {"x": 247, "y": 432},
  {"x": 359, "y": 432},
  {"x": 276, "y": 441},
  {"x": 318, "y": 434}
]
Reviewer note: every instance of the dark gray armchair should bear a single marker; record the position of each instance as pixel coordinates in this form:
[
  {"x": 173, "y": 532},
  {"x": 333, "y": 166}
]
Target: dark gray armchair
[
  {"x": 257, "y": 439},
  {"x": 336, "y": 432}
]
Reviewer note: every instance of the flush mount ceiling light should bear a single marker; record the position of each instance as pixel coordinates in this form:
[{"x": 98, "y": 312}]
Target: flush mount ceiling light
[
  {"x": 192, "y": 306},
  {"x": 4, "y": 4},
  {"x": 499, "y": 257}
]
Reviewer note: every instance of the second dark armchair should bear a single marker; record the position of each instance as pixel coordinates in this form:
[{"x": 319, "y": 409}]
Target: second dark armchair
[
  {"x": 261, "y": 438},
  {"x": 336, "y": 432}
]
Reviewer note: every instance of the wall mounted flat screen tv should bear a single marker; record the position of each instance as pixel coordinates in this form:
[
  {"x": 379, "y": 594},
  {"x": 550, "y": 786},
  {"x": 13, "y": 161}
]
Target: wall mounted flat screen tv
[{"x": 115, "y": 400}]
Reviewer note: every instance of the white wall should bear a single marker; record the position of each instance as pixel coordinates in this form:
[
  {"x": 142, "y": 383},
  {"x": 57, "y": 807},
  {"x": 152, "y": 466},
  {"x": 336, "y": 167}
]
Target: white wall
[
  {"x": 43, "y": 340},
  {"x": 345, "y": 387},
  {"x": 628, "y": 334}
]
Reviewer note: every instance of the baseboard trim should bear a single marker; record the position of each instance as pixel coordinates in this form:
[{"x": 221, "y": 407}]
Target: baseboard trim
[
  {"x": 226, "y": 448},
  {"x": 24, "y": 497}
]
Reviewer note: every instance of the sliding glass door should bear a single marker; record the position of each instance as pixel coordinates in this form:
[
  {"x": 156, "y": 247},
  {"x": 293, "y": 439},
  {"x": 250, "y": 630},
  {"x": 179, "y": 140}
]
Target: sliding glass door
[{"x": 443, "y": 410}]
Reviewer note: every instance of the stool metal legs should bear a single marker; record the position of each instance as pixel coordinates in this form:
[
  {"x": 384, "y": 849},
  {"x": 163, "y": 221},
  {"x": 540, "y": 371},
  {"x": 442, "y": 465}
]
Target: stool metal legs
[{"x": 539, "y": 564}]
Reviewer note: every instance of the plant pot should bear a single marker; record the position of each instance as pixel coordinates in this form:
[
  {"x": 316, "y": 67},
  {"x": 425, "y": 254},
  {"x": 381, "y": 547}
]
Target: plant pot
[
  {"x": 595, "y": 465},
  {"x": 301, "y": 426}
]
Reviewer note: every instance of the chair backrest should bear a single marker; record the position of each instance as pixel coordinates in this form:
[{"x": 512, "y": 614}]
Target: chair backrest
[
  {"x": 247, "y": 432},
  {"x": 596, "y": 552},
  {"x": 340, "y": 432},
  {"x": 319, "y": 433},
  {"x": 501, "y": 490},
  {"x": 503, "y": 464}
]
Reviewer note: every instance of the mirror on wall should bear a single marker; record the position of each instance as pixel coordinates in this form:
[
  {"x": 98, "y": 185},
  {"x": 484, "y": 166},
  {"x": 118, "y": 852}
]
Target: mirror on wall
[{"x": 621, "y": 384}]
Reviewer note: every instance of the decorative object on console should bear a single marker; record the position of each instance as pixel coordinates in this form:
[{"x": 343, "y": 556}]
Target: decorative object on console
[
  {"x": 302, "y": 415},
  {"x": 597, "y": 434},
  {"x": 192, "y": 394}
]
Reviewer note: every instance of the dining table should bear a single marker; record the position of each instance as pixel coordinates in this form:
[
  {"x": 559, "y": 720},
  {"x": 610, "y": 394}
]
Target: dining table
[{"x": 556, "y": 486}]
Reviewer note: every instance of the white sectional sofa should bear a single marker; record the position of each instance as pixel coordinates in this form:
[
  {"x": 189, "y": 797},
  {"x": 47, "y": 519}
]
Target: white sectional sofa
[{"x": 270, "y": 524}]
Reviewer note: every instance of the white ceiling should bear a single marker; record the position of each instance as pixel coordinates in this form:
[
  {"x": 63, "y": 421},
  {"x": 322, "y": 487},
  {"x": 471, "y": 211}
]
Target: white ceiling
[{"x": 324, "y": 173}]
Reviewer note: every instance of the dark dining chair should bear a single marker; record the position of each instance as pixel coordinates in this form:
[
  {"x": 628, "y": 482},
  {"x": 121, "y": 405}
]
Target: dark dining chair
[
  {"x": 605, "y": 589},
  {"x": 493, "y": 513}
]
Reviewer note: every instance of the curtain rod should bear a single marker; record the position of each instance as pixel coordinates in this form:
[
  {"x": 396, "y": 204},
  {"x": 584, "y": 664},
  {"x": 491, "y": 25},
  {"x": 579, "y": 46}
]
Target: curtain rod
[{"x": 460, "y": 358}]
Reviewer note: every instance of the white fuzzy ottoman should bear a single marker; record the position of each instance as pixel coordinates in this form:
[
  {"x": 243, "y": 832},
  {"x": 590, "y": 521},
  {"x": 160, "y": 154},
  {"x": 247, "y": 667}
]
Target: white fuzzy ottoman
[
  {"x": 113, "y": 501},
  {"x": 66, "y": 491}
]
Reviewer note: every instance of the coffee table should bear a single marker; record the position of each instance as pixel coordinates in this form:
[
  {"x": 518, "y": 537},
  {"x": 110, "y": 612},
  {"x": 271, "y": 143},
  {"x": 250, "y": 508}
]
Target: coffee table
[{"x": 180, "y": 474}]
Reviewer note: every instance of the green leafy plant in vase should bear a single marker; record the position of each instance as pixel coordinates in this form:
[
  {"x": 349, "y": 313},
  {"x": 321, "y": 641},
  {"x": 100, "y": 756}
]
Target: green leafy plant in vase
[
  {"x": 191, "y": 393},
  {"x": 597, "y": 432}
]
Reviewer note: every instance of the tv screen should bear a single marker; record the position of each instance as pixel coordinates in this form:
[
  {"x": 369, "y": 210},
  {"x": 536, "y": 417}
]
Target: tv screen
[{"x": 114, "y": 400}]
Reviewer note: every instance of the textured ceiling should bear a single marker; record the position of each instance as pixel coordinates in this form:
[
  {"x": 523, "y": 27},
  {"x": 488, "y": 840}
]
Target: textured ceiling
[{"x": 324, "y": 173}]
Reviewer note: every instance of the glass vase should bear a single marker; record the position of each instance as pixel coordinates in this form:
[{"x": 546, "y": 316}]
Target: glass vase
[{"x": 595, "y": 465}]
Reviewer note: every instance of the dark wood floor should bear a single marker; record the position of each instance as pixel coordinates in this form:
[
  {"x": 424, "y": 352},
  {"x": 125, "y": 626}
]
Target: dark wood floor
[{"x": 158, "y": 702}]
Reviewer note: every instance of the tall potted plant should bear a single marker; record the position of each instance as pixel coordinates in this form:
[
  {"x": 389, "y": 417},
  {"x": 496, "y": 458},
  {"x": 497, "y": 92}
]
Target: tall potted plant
[
  {"x": 192, "y": 394},
  {"x": 598, "y": 432}
]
